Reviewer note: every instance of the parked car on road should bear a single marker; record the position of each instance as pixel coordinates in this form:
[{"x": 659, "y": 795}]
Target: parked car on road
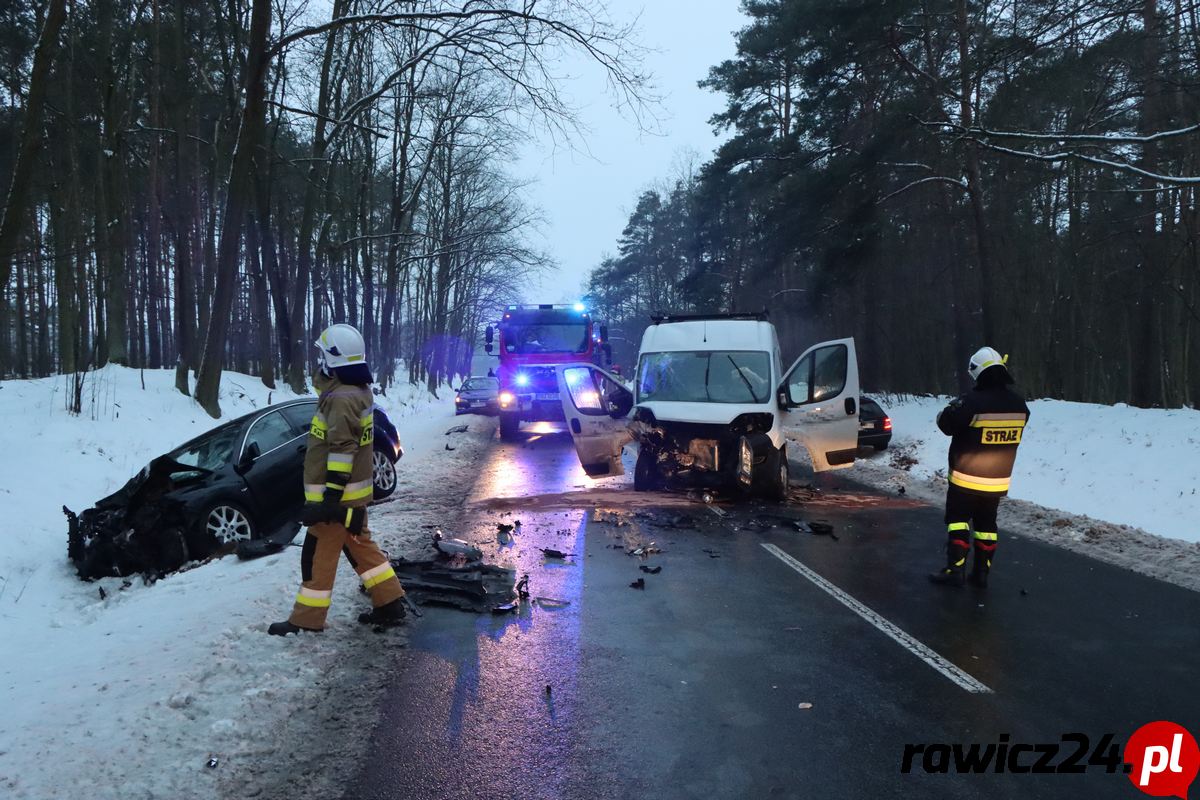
[
  {"x": 478, "y": 395},
  {"x": 240, "y": 481},
  {"x": 874, "y": 425}
]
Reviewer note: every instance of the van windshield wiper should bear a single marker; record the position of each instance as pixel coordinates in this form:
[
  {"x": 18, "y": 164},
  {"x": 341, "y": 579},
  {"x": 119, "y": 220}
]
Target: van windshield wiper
[{"x": 738, "y": 370}]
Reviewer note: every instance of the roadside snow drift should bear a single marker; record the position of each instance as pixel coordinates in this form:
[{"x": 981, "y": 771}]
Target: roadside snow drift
[{"x": 1131, "y": 466}]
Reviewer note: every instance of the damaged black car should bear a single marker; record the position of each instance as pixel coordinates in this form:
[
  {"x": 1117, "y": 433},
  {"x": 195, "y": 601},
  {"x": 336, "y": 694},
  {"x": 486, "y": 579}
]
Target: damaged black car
[{"x": 239, "y": 482}]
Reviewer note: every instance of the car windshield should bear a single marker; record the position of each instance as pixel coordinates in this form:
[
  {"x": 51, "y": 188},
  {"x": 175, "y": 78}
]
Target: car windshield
[
  {"x": 546, "y": 337},
  {"x": 211, "y": 451},
  {"x": 716, "y": 376},
  {"x": 480, "y": 384}
]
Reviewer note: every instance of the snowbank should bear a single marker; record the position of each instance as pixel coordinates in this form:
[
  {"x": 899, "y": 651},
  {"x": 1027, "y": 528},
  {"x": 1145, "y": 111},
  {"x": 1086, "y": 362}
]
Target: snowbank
[
  {"x": 129, "y": 691},
  {"x": 1131, "y": 466}
]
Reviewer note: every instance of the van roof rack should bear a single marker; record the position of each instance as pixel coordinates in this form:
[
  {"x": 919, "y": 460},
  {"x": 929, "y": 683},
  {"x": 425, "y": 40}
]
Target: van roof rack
[{"x": 757, "y": 316}]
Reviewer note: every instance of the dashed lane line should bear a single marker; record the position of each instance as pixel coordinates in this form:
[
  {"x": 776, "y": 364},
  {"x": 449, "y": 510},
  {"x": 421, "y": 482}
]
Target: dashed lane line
[{"x": 921, "y": 651}]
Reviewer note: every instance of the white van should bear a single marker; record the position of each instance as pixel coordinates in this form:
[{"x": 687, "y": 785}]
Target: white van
[{"x": 709, "y": 404}]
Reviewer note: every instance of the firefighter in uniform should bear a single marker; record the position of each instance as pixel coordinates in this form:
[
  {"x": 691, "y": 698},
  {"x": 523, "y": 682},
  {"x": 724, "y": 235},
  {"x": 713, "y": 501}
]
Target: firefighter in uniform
[
  {"x": 986, "y": 424},
  {"x": 337, "y": 489}
]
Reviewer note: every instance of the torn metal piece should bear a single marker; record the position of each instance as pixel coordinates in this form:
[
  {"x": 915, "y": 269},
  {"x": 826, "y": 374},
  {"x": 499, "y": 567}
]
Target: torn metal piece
[
  {"x": 551, "y": 603},
  {"x": 506, "y": 608},
  {"x": 720, "y": 512},
  {"x": 650, "y": 570},
  {"x": 640, "y": 583}
]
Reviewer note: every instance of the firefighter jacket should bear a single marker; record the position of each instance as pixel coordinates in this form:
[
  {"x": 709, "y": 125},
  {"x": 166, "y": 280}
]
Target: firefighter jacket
[
  {"x": 987, "y": 424},
  {"x": 340, "y": 444}
]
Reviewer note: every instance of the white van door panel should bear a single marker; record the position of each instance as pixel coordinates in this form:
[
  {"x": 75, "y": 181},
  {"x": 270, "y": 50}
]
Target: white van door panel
[
  {"x": 820, "y": 396},
  {"x": 595, "y": 405}
]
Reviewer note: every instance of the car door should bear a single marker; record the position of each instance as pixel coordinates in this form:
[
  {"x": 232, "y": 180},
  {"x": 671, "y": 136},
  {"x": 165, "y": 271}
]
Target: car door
[
  {"x": 595, "y": 405},
  {"x": 275, "y": 477},
  {"x": 819, "y": 395}
]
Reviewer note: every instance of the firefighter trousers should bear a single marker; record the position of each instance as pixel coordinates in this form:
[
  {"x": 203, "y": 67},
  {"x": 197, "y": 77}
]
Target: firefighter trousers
[
  {"x": 323, "y": 545},
  {"x": 970, "y": 516}
]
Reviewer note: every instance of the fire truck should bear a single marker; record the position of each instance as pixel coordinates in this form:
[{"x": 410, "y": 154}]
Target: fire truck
[{"x": 529, "y": 341}]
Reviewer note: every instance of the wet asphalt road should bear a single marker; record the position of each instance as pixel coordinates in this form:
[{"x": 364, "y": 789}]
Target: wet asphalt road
[{"x": 692, "y": 687}]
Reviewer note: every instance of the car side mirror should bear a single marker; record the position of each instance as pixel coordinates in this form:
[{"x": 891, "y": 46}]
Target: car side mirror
[
  {"x": 249, "y": 456},
  {"x": 489, "y": 334}
]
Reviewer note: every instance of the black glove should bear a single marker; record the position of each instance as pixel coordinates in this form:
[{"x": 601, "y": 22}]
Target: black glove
[{"x": 328, "y": 510}]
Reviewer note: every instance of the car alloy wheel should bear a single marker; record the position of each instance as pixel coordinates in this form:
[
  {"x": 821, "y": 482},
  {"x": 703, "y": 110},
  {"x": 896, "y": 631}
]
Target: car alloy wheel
[
  {"x": 383, "y": 473},
  {"x": 229, "y": 524}
]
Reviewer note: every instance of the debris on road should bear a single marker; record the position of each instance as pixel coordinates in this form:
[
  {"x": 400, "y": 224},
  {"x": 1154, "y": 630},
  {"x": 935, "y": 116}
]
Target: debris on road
[
  {"x": 550, "y": 552},
  {"x": 455, "y": 547},
  {"x": 720, "y": 512},
  {"x": 711, "y": 553},
  {"x": 650, "y": 570},
  {"x": 805, "y": 706},
  {"x": 458, "y": 429},
  {"x": 212, "y": 762},
  {"x": 470, "y": 587},
  {"x": 506, "y": 608},
  {"x": 448, "y": 447},
  {"x": 523, "y": 587},
  {"x": 640, "y": 583},
  {"x": 551, "y": 603}
]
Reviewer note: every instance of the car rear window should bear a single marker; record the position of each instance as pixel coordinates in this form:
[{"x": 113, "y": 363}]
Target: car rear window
[{"x": 870, "y": 406}]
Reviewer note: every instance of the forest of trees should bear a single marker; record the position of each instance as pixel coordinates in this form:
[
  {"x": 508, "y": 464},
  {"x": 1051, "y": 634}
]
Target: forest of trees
[
  {"x": 932, "y": 175},
  {"x": 206, "y": 184}
]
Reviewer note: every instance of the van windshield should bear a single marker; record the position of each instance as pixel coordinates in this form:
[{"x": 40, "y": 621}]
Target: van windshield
[{"x": 708, "y": 376}]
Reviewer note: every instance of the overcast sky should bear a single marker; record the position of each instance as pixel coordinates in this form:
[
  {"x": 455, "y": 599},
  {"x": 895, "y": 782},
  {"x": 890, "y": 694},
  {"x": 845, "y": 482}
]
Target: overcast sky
[{"x": 586, "y": 195}]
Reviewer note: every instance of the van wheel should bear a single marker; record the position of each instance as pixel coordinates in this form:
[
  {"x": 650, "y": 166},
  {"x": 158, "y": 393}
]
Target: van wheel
[
  {"x": 775, "y": 485},
  {"x": 510, "y": 426},
  {"x": 645, "y": 472}
]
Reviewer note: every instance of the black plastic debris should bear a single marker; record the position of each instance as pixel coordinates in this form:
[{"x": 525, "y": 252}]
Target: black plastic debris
[
  {"x": 212, "y": 762},
  {"x": 102, "y": 593},
  {"x": 640, "y": 583},
  {"x": 711, "y": 553},
  {"x": 506, "y": 608},
  {"x": 458, "y": 429},
  {"x": 472, "y": 586},
  {"x": 650, "y": 570},
  {"x": 550, "y": 552},
  {"x": 448, "y": 447}
]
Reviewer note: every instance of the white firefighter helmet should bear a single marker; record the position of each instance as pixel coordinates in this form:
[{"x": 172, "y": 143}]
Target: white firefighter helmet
[
  {"x": 984, "y": 357},
  {"x": 341, "y": 345}
]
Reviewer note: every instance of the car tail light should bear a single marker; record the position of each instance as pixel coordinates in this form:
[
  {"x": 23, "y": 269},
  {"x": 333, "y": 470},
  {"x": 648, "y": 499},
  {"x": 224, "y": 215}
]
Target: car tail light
[{"x": 887, "y": 423}]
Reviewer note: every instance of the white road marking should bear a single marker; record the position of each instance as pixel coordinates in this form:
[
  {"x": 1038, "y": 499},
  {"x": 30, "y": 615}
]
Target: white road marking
[{"x": 921, "y": 651}]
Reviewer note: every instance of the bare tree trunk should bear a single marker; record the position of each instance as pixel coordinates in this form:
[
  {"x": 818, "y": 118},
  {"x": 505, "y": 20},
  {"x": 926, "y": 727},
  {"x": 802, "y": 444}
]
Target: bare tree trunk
[
  {"x": 237, "y": 202},
  {"x": 31, "y": 137}
]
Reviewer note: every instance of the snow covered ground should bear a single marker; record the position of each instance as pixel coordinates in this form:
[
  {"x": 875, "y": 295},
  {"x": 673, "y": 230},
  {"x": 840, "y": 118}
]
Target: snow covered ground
[
  {"x": 1117, "y": 483},
  {"x": 1131, "y": 466},
  {"x": 129, "y": 695}
]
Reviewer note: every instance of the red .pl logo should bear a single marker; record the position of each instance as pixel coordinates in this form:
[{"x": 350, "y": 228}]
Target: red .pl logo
[{"x": 1163, "y": 759}]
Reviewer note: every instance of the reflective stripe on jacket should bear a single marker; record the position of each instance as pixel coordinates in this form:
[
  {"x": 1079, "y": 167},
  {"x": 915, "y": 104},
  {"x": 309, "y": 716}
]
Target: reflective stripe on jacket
[
  {"x": 340, "y": 441},
  {"x": 987, "y": 426}
]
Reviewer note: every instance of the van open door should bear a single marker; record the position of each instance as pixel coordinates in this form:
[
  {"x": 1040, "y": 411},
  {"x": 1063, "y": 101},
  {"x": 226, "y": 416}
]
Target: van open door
[
  {"x": 821, "y": 393},
  {"x": 595, "y": 405}
]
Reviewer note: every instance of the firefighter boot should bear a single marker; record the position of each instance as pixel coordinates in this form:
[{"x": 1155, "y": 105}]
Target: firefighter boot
[
  {"x": 957, "y": 549},
  {"x": 985, "y": 550},
  {"x": 385, "y": 616},
  {"x": 286, "y": 627}
]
